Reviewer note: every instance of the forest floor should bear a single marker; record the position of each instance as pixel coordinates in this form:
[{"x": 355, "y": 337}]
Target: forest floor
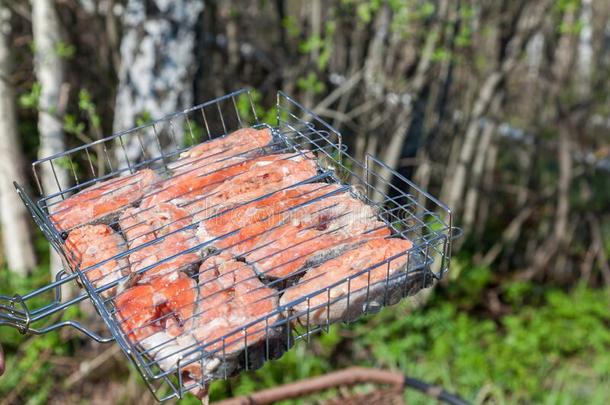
[{"x": 543, "y": 345}]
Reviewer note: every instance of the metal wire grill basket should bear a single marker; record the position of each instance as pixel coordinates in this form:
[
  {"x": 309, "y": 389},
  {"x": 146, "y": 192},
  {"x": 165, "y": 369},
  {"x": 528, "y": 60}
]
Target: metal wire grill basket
[{"x": 409, "y": 212}]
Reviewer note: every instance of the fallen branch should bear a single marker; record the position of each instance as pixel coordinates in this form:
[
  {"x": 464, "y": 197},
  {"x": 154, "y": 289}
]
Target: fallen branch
[
  {"x": 348, "y": 377},
  {"x": 87, "y": 367}
]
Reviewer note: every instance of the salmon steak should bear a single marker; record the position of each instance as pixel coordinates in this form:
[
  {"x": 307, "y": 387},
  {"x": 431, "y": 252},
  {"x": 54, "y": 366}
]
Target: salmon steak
[
  {"x": 153, "y": 315},
  {"x": 374, "y": 269},
  {"x": 207, "y": 165},
  {"x": 267, "y": 175},
  {"x": 93, "y": 249},
  {"x": 249, "y": 220},
  {"x": 186, "y": 186},
  {"x": 234, "y": 311},
  {"x": 216, "y": 152},
  {"x": 191, "y": 186},
  {"x": 101, "y": 200},
  {"x": 321, "y": 229},
  {"x": 154, "y": 236}
]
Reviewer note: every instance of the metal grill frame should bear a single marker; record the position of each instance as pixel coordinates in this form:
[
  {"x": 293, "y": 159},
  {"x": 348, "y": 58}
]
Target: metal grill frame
[{"x": 403, "y": 206}]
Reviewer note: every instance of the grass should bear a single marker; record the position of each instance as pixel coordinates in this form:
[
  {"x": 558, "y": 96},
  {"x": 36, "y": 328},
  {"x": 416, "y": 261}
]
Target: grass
[
  {"x": 555, "y": 352},
  {"x": 549, "y": 346}
]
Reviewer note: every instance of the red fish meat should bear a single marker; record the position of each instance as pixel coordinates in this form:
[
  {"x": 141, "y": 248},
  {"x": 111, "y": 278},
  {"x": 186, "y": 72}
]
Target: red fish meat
[
  {"x": 332, "y": 223},
  {"x": 187, "y": 189},
  {"x": 156, "y": 234},
  {"x": 331, "y": 304},
  {"x": 234, "y": 311},
  {"x": 153, "y": 316},
  {"x": 102, "y": 199},
  {"x": 241, "y": 143},
  {"x": 268, "y": 174},
  {"x": 249, "y": 220},
  {"x": 93, "y": 248}
]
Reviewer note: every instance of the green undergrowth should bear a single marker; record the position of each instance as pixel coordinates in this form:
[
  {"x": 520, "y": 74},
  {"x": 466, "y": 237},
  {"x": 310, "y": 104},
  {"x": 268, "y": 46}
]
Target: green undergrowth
[
  {"x": 548, "y": 346},
  {"x": 544, "y": 346}
]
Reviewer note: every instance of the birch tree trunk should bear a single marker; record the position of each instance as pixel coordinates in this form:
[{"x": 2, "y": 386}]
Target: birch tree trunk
[
  {"x": 14, "y": 218},
  {"x": 585, "y": 49},
  {"x": 50, "y": 74},
  {"x": 157, "y": 69}
]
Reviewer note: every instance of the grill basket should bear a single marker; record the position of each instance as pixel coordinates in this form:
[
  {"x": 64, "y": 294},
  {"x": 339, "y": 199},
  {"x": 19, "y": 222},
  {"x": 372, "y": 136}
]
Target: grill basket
[{"x": 408, "y": 211}]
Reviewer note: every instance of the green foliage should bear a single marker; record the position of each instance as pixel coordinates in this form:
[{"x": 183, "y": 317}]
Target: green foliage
[
  {"x": 366, "y": 10},
  {"x": 311, "y": 43},
  {"x": 30, "y": 99},
  {"x": 193, "y": 134},
  {"x": 440, "y": 54},
  {"x": 65, "y": 50},
  {"x": 566, "y": 5},
  {"x": 143, "y": 118},
  {"x": 29, "y": 369},
  {"x": 570, "y": 29},
  {"x": 426, "y": 9},
  {"x": 88, "y": 107},
  {"x": 245, "y": 106},
  {"x": 536, "y": 354},
  {"x": 72, "y": 125},
  {"x": 562, "y": 7},
  {"x": 464, "y": 36},
  {"x": 322, "y": 44},
  {"x": 311, "y": 83},
  {"x": 291, "y": 25}
]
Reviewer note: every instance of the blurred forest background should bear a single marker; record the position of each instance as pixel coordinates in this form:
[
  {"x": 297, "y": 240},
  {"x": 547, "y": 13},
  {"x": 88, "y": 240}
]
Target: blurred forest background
[{"x": 501, "y": 108}]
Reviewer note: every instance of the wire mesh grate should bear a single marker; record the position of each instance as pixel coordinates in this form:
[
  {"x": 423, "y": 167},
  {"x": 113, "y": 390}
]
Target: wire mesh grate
[{"x": 205, "y": 259}]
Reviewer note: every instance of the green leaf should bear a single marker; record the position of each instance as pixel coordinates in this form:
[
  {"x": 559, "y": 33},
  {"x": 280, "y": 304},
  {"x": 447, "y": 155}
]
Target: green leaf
[
  {"x": 72, "y": 125},
  {"x": 291, "y": 26},
  {"x": 30, "y": 99},
  {"x": 143, "y": 118},
  {"x": 65, "y": 50},
  {"x": 311, "y": 83}
]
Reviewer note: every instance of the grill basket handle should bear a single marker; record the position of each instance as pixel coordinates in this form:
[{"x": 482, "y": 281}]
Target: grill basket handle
[{"x": 15, "y": 311}]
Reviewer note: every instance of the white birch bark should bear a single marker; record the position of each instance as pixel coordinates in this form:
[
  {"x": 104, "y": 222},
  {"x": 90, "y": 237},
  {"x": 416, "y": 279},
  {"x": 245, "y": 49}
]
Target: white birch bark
[
  {"x": 50, "y": 74},
  {"x": 157, "y": 67},
  {"x": 14, "y": 217},
  {"x": 585, "y": 49}
]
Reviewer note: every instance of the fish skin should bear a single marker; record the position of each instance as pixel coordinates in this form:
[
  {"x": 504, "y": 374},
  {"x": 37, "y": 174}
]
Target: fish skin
[
  {"x": 102, "y": 200},
  {"x": 164, "y": 227},
  {"x": 340, "y": 246},
  {"x": 266, "y": 175},
  {"x": 316, "y": 310},
  {"x": 90, "y": 245}
]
